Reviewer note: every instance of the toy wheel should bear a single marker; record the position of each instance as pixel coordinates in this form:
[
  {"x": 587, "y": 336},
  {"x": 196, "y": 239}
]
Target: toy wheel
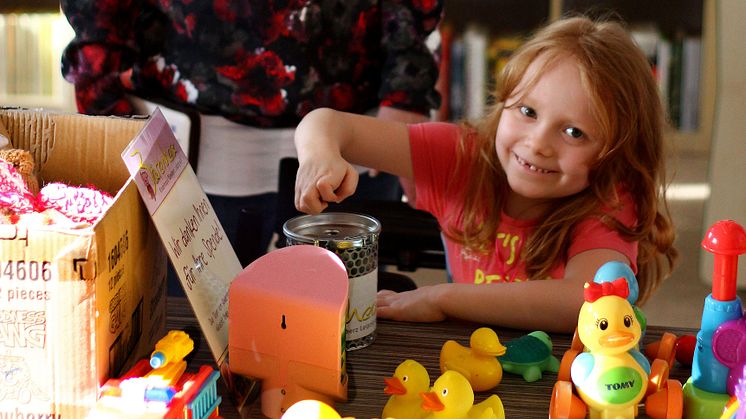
[
  {"x": 576, "y": 344},
  {"x": 667, "y": 348},
  {"x": 658, "y": 376},
  {"x": 675, "y": 399},
  {"x": 651, "y": 350},
  {"x": 667, "y": 403},
  {"x": 664, "y": 349},
  {"x": 564, "y": 404},
  {"x": 566, "y": 364}
]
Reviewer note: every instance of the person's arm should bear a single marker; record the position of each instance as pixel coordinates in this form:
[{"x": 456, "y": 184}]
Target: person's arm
[
  {"x": 407, "y": 117},
  {"x": 550, "y": 305},
  {"x": 101, "y": 50},
  {"x": 329, "y": 142}
]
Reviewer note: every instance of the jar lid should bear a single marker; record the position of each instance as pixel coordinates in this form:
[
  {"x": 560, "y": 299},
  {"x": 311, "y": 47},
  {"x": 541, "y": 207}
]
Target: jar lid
[{"x": 334, "y": 230}]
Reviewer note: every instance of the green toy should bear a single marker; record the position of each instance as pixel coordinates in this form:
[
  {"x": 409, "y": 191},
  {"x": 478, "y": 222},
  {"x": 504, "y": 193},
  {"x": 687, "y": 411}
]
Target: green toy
[{"x": 529, "y": 356}]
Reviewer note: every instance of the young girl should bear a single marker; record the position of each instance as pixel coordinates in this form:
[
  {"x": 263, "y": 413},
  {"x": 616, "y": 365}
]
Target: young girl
[{"x": 565, "y": 174}]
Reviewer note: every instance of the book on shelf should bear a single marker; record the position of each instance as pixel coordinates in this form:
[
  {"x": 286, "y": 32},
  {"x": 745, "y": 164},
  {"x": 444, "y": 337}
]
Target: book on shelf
[
  {"x": 663, "y": 68},
  {"x": 498, "y": 54},
  {"x": 691, "y": 61},
  {"x": 31, "y": 45},
  {"x": 674, "y": 81},
  {"x": 475, "y": 71},
  {"x": 456, "y": 81}
]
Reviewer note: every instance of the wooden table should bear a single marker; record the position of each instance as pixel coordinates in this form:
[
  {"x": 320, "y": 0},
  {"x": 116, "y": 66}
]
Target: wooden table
[{"x": 397, "y": 341}]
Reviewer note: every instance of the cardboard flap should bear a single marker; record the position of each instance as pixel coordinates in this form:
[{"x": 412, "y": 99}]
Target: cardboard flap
[
  {"x": 64, "y": 145},
  {"x": 78, "y": 141}
]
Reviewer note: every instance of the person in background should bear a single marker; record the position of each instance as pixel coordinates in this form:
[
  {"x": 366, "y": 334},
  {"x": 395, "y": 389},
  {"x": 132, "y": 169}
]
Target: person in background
[
  {"x": 565, "y": 174},
  {"x": 253, "y": 69}
]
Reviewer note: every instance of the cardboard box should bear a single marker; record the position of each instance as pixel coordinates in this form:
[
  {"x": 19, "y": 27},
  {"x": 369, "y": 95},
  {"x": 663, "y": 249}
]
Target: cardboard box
[{"x": 76, "y": 306}]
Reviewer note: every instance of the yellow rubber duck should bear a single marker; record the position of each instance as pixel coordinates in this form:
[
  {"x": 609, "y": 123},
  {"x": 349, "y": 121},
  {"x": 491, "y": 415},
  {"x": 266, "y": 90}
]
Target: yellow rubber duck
[
  {"x": 409, "y": 380},
  {"x": 451, "y": 397},
  {"x": 478, "y": 363},
  {"x": 312, "y": 409}
]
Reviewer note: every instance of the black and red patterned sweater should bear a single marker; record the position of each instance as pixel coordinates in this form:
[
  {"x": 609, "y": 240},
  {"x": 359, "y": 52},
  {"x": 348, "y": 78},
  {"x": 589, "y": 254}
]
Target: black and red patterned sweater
[{"x": 262, "y": 63}]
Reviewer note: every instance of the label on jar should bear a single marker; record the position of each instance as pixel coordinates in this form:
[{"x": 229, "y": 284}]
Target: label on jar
[{"x": 361, "y": 312}]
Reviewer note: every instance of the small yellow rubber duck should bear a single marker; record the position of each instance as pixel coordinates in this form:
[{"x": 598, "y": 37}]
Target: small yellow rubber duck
[
  {"x": 478, "y": 363},
  {"x": 409, "y": 380},
  {"x": 312, "y": 409},
  {"x": 452, "y": 398}
]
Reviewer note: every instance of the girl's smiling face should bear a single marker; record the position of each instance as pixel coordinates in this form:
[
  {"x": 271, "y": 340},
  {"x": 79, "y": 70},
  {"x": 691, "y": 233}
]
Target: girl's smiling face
[{"x": 547, "y": 138}]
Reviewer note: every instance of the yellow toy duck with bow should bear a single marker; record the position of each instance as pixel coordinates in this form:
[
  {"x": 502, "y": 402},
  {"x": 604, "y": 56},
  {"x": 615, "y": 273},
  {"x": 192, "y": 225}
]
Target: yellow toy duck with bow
[
  {"x": 478, "y": 363},
  {"x": 451, "y": 397},
  {"x": 612, "y": 377},
  {"x": 609, "y": 374},
  {"x": 404, "y": 387}
]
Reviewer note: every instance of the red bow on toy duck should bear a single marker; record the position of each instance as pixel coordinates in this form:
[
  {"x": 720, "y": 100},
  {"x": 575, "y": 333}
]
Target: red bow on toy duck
[{"x": 593, "y": 291}]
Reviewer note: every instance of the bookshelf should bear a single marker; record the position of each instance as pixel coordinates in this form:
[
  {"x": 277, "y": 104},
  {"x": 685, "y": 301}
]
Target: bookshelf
[
  {"x": 678, "y": 25},
  {"x": 31, "y": 44}
]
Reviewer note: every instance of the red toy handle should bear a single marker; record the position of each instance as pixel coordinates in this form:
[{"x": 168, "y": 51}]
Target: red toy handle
[
  {"x": 724, "y": 271},
  {"x": 726, "y": 239}
]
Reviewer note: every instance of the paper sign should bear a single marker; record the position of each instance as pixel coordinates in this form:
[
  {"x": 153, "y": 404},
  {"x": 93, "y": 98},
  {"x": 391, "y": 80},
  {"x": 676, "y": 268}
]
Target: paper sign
[{"x": 188, "y": 226}]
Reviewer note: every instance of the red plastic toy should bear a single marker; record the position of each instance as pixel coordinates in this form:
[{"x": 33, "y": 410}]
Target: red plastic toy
[{"x": 166, "y": 392}]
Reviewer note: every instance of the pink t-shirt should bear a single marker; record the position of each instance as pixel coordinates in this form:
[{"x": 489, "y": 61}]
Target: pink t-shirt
[{"x": 434, "y": 146}]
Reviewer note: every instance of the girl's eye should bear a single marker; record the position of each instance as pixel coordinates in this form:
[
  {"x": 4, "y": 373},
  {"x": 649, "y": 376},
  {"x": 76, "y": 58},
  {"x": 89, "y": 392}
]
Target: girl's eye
[
  {"x": 573, "y": 132},
  {"x": 526, "y": 111}
]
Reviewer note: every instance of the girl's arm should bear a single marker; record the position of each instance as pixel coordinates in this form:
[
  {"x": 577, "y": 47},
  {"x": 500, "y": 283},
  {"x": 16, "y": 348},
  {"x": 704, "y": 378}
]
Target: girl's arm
[
  {"x": 549, "y": 305},
  {"x": 393, "y": 114},
  {"x": 329, "y": 142}
]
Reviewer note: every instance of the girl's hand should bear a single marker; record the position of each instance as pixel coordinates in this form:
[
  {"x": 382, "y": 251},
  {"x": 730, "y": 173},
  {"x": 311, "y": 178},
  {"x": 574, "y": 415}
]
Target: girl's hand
[
  {"x": 322, "y": 180},
  {"x": 329, "y": 142},
  {"x": 418, "y": 305},
  {"x": 323, "y": 174}
]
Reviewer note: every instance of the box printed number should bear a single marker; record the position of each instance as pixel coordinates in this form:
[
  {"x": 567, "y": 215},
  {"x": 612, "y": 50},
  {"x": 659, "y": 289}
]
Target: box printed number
[{"x": 26, "y": 270}]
